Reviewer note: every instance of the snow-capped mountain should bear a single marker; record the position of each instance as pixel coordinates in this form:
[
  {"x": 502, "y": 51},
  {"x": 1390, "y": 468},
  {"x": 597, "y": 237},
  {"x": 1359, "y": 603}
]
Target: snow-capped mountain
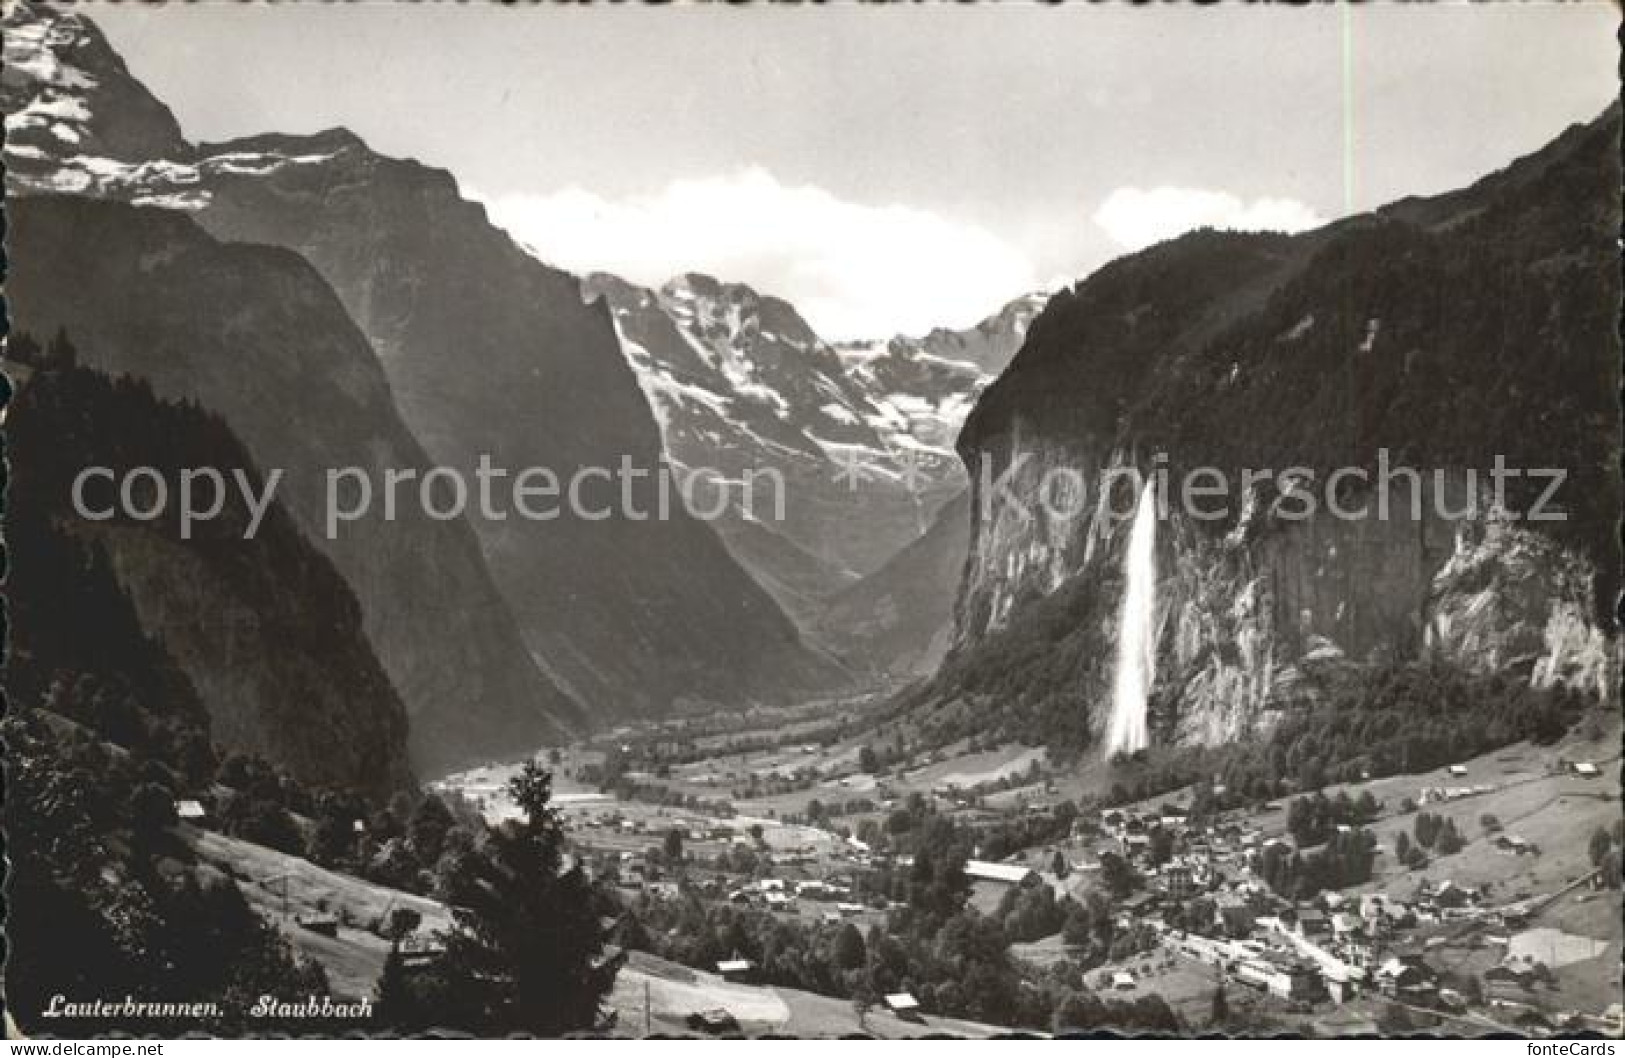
[
  {"x": 926, "y": 386},
  {"x": 75, "y": 117},
  {"x": 455, "y": 343},
  {"x": 862, "y": 434},
  {"x": 78, "y": 123},
  {"x": 706, "y": 349},
  {"x": 985, "y": 349}
]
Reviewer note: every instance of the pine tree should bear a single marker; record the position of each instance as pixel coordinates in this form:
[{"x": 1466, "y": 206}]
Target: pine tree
[
  {"x": 1599, "y": 846},
  {"x": 395, "y": 1006},
  {"x": 850, "y": 952},
  {"x": 428, "y": 827},
  {"x": 529, "y": 945},
  {"x": 1448, "y": 840}
]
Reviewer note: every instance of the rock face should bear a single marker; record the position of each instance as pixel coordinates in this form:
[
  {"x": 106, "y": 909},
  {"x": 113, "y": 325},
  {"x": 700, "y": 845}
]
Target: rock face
[
  {"x": 861, "y": 436},
  {"x": 1433, "y": 335},
  {"x": 744, "y": 391},
  {"x": 741, "y": 385},
  {"x": 74, "y": 115},
  {"x": 252, "y": 334},
  {"x": 484, "y": 351}
]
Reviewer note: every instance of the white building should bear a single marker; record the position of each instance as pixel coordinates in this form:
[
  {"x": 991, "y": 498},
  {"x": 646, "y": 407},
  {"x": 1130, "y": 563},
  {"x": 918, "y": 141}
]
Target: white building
[{"x": 1003, "y": 873}]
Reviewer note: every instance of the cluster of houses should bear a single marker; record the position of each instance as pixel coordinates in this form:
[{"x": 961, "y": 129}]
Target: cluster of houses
[
  {"x": 779, "y": 894},
  {"x": 1340, "y": 946},
  {"x": 1336, "y": 947},
  {"x": 691, "y": 830}
]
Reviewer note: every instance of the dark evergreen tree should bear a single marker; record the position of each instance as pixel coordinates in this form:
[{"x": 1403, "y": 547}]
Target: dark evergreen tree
[
  {"x": 850, "y": 952},
  {"x": 529, "y": 944}
]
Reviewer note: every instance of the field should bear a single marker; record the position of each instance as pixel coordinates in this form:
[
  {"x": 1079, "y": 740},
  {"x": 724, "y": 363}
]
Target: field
[
  {"x": 1531, "y": 791},
  {"x": 283, "y": 887},
  {"x": 672, "y": 992}
]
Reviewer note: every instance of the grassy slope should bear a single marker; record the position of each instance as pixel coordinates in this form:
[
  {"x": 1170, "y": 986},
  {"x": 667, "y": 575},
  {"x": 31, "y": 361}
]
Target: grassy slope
[
  {"x": 676, "y": 991},
  {"x": 282, "y": 887}
]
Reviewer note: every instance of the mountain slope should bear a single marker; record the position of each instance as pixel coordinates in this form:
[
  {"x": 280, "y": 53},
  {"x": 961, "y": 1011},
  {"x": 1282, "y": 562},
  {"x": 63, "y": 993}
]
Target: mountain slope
[
  {"x": 243, "y": 331},
  {"x": 632, "y": 614},
  {"x": 1446, "y": 331},
  {"x": 264, "y": 628},
  {"x": 900, "y": 618},
  {"x": 861, "y": 435},
  {"x": 485, "y": 351},
  {"x": 908, "y": 364},
  {"x": 741, "y": 384},
  {"x": 74, "y": 115}
]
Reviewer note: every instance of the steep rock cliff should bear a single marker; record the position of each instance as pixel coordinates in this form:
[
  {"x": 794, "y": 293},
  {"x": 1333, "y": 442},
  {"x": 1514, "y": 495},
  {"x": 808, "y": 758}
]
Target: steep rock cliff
[{"x": 1433, "y": 335}]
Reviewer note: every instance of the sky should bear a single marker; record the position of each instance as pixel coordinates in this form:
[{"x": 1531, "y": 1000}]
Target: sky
[{"x": 892, "y": 168}]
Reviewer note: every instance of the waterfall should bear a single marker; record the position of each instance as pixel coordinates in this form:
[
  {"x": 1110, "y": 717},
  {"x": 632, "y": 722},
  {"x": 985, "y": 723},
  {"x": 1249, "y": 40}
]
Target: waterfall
[{"x": 1126, "y": 732}]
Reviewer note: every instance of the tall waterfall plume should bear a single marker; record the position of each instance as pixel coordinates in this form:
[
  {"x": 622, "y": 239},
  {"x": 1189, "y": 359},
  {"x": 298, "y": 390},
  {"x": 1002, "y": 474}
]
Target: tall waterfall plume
[{"x": 1127, "y": 732}]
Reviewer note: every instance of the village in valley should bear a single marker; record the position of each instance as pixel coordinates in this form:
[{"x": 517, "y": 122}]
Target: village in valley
[{"x": 1479, "y": 897}]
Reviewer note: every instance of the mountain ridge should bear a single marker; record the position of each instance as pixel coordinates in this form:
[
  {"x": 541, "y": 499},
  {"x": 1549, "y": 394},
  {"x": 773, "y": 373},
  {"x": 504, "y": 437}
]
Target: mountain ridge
[
  {"x": 861, "y": 434},
  {"x": 627, "y": 618}
]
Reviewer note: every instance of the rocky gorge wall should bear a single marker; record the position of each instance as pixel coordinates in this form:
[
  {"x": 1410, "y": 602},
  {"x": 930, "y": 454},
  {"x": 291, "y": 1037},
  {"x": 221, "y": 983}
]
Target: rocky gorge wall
[
  {"x": 1247, "y": 617},
  {"x": 1435, "y": 335}
]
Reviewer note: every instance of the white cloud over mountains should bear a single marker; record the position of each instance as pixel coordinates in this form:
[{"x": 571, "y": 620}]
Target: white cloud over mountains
[
  {"x": 1136, "y": 218},
  {"x": 854, "y": 270}
]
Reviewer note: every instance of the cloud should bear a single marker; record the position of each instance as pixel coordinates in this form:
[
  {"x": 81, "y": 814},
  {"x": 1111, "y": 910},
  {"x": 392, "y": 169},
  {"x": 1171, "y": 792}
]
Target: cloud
[
  {"x": 1136, "y": 218},
  {"x": 854, "y": 270}
]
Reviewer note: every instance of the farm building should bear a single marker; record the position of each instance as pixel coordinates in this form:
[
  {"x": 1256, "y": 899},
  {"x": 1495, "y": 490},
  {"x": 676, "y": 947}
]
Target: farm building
[
  {"x": 898, "y": 1002},
  {"x": 738, "y": 971},
  {"x": 189, "y": 811},
  {"x": 319, "y": 922}
]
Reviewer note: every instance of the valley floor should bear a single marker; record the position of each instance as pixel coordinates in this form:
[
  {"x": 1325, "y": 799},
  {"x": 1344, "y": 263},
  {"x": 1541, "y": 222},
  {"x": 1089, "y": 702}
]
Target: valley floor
[{"x": 1533, "y": 793}]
